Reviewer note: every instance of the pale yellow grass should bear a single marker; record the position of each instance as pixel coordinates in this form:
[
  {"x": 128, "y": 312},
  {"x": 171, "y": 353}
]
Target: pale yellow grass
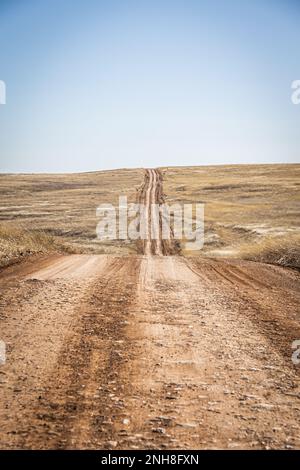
[
  {"x": 64, "y": 205},
  {"x": 284, "y": 251},
  {"x": 17, "y": 242},
  {"x": 251, "y": 211},
  {"x": 248, "y": 208}
]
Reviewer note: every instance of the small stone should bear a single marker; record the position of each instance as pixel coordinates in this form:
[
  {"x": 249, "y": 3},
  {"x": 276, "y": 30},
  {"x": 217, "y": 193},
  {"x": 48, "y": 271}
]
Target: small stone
[
  {"x": 159, "y": 430},
  {"x": 112, "y": 443}
]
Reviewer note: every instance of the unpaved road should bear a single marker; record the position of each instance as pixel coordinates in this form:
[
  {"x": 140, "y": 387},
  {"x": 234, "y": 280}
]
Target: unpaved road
[
  {"x": 152, "y": 244},
  {"x": 148, "y": 351}
]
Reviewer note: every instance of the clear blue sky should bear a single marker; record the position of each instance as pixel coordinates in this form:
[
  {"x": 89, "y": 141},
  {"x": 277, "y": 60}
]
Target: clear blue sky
[{"x": 109, "y": 84}]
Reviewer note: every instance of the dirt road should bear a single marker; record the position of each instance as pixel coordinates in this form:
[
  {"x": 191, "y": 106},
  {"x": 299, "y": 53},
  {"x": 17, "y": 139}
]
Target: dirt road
[
  {"x": 152, "y": 245},
  {"x": 149, "y": 351},
  {"x": 151, "y": 194}
]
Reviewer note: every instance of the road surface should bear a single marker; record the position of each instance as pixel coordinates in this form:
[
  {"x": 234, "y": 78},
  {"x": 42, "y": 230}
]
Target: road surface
[{"x": 151, "y": 351}]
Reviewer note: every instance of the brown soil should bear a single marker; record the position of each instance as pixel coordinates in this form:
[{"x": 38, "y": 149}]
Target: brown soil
[
  {"x": 149, "y": 351},
  {"x": 152, "y": 193}
]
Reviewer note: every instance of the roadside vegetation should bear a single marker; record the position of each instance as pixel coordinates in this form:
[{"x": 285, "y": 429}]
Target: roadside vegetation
[
  {"x": 251, "y": 211},
  {"x": 62, "y": 207},
  {"x": 17, "y": 242},
  {"x": 283, "y": 250}
]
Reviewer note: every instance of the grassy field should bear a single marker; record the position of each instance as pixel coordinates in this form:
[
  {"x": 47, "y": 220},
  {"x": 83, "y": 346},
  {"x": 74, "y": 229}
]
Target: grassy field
[
  {"x": 60, "y": 209},
  {"x": 251, "y": 211}
]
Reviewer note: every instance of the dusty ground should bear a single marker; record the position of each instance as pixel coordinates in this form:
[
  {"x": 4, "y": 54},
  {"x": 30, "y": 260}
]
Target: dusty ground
[{"x": 149, "y": 351}]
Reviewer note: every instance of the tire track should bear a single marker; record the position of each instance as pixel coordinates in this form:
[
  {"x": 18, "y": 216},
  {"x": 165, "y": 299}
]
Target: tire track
[
  {"x": 149, "y": 352},
  {"x": 151, "y": 195}
]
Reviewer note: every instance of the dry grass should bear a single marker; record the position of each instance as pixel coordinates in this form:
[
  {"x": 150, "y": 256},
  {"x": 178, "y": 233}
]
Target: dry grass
[
  {"x": 251, "y": 211},
  {"x": 284, "y": 251},
  {"x": 245, "y": 206},
  {"x": 17, "y": 242},
  {"x": 63, "y": 206}
]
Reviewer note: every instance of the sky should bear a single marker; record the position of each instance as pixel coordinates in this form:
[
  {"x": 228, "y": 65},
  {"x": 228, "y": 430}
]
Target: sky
[{"x": 94, "y": 84}]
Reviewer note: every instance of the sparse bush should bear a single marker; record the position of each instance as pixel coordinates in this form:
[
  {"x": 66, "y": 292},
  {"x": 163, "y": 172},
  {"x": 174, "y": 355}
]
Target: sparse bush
[
  {"x": 17, "y": 242},
  {"x": 282, "y": 250}
]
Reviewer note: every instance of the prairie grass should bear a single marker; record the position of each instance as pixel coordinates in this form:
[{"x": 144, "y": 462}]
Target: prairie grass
[
  {"x": 283, "y": 250},
  {"x": 250, "y": 210},
  {"x": 63, "y": 206},
  {"x": 17, "y": 242}
]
